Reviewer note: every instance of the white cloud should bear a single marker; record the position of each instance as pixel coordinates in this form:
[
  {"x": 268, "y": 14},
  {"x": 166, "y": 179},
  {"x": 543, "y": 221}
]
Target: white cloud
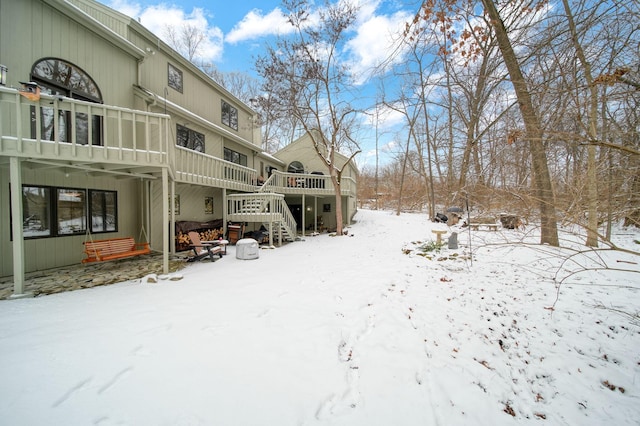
[
  {"x": 255, "y": 25},
  {"x": 387, "y": 118},
  {"x": 156, "y": 18},
  {"x": 376, "y": 37},
  {"x": 389, "y": 147},
  {"x": 386, "y": 148},
  {"x": 125, "y": 7}
]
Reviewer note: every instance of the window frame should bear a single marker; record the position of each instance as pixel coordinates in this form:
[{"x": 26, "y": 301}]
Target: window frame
[
  {"x": 295, "y": 166},
  {"x": 58, "y": 209},
  {"x": 48, "y": 72},
  {"x": 231, "y": 156},
  {"x": 229, "y": 115},
  {"x": 53, "y": 210},
  {"x": 190, "y": 139},
  {"x": 46, "y": 210},
  {"x": 105, "y": 210},
  {"x": 175, "y": 78}
]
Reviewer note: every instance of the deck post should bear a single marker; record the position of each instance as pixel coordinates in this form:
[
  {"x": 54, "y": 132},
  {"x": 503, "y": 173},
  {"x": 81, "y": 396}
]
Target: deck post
[
  {"x": 304, "y": 214},
  {"x": 165, "y": 220},
  {"x": 15, "y": 175}
]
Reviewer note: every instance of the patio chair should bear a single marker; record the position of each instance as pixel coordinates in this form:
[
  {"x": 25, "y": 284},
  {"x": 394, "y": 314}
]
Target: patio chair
[{"x": 202, "y": 250}]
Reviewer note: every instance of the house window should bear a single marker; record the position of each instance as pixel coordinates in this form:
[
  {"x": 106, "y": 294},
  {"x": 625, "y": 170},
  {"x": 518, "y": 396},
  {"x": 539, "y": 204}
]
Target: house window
[
  {"x": 295, "y": 167},
  {"x": 61, "y": 78},
  {"x": 229, "y": 115},
  {"x": 36, "y": 206},
  {"x": 71, "y": 211},
  {"x": 235, "y": 157},
  {"x": 103, "y": 210},
  {"x": 189, "y": 138},
  {"x": 56, "y": 212},
  {"x": 174, "y": 78}
]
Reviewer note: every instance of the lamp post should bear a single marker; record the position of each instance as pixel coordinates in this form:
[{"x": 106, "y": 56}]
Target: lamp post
[{"x": 3, "y": 75}]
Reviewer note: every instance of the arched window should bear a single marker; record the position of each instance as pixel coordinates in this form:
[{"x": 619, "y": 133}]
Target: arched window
[
  {"x": 59, "y": 77},
  {"x": 295, "y": 167}
]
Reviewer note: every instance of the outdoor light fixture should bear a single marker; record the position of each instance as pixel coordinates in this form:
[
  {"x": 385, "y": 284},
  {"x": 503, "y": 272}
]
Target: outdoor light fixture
[
  {"x": 30, "y": 90},
  {"x": 3, "y": 75}
]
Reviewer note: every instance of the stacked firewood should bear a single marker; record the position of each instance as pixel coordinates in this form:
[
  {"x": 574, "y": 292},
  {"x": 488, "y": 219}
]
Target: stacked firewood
[
  {"x": 205, "y": 235},
  {"x": 183, "y": 239},
  {"x": 210, "y": 234}
]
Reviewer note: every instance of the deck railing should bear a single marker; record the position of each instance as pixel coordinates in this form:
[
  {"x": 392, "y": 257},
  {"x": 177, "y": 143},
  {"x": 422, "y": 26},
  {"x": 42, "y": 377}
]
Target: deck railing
[
  {"x": 57, "y": 127},
  {"x": 266, "y": 207},
  {"x": 125, "y": 136},
  {"x": 198, "y": 168},
  {"x": 306, "y": 183}
]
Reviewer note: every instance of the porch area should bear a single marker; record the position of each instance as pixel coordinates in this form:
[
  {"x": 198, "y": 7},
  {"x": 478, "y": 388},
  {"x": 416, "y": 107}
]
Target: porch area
[{"x": 77, "y": 277}]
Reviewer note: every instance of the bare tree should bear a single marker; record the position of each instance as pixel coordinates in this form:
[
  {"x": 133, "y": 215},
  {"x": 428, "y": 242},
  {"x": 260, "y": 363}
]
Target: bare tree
[
  {"x": 186, "y": 39},
  {"x": 533, "y": 129},
  {"x": 444, "y": 13},
  {"x": 592, "y": 130},
  {"x": 305, "y": 78}
]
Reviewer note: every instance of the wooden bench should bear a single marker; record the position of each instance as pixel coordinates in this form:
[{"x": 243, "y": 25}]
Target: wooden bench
[
  {"x": 491, "y": 226},
  {"x": 114, "y": 248},
  {"x": 485, "y": 222}
]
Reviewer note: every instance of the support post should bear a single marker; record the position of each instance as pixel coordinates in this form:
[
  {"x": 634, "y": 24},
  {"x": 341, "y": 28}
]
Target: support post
[
  {"x": 172, "y": 228},
  {"x": 165, "y": 220},
  {"x": 225, "y": 211},
  {"x": 15, "y": 175},
  {"x": 304, "y": 214}
]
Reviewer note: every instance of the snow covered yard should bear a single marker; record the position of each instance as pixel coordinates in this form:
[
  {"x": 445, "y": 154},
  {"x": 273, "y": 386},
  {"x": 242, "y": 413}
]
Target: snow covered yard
[{"x": 358, "y": 330}]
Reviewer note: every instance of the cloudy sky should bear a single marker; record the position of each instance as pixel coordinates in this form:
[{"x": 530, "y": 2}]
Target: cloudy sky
[{"x": 238, "y": 31}]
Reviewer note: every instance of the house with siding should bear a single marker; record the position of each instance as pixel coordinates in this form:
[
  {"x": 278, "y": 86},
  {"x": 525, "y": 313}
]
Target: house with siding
[{"x": 107, "y": 132}]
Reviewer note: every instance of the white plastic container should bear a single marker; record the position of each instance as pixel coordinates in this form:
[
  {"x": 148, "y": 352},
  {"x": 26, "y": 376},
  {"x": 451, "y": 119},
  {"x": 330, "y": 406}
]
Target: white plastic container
[{"x": 247, "y": 249}]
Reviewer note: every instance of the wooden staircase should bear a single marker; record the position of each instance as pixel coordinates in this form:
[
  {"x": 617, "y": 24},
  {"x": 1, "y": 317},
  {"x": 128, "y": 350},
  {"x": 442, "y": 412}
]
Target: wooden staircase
[{"x": 266, "y": 208}]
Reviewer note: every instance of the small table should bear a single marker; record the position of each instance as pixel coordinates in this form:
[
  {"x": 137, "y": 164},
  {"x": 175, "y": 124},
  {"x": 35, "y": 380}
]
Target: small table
[
  {"x": 222, "y": 243},
  {"x": 439, "y": 233}
]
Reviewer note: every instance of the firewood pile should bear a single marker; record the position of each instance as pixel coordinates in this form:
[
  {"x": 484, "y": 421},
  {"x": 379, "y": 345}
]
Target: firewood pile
[
  {"x": 210, "y": 230},
  {"x": 183, "y": 241},
  {"x": 211, "y": 234}
]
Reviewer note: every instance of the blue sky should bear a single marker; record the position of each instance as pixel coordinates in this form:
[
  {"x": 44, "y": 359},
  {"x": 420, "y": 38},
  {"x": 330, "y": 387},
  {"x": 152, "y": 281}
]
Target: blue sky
[{"x": 238, "y": 30}]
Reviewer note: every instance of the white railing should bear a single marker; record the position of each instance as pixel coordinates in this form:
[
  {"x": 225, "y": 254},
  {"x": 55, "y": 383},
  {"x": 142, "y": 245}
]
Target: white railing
[
  {"x": 307, "y": 183},
  {"x": 49, "y": 127},
  {"x": 261, "y": 207},
  {"x": 196, "y": 167},
  {"x": 128, "y": 136}
]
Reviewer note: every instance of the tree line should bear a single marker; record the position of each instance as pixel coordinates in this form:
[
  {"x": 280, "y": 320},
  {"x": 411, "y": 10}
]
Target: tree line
[
  {"x": 529, "y": 107},
  {"x": 519, "y": 106}
]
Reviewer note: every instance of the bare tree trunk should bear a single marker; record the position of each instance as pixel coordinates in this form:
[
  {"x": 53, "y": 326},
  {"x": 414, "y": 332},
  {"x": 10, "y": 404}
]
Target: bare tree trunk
[
  {"x": 339, "y": 219},
  {"x": 404, "y": 169},
  {"x": 592, "y": 179},
  {"x": 542, "y": 179},
  {"x": 450, "y": 175},
  {"x": 432, "y": 193},
  {"x": 474, "y": 116}
]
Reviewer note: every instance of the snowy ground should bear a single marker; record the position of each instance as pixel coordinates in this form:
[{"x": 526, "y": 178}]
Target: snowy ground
[{"x": 358, "y": 330}]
